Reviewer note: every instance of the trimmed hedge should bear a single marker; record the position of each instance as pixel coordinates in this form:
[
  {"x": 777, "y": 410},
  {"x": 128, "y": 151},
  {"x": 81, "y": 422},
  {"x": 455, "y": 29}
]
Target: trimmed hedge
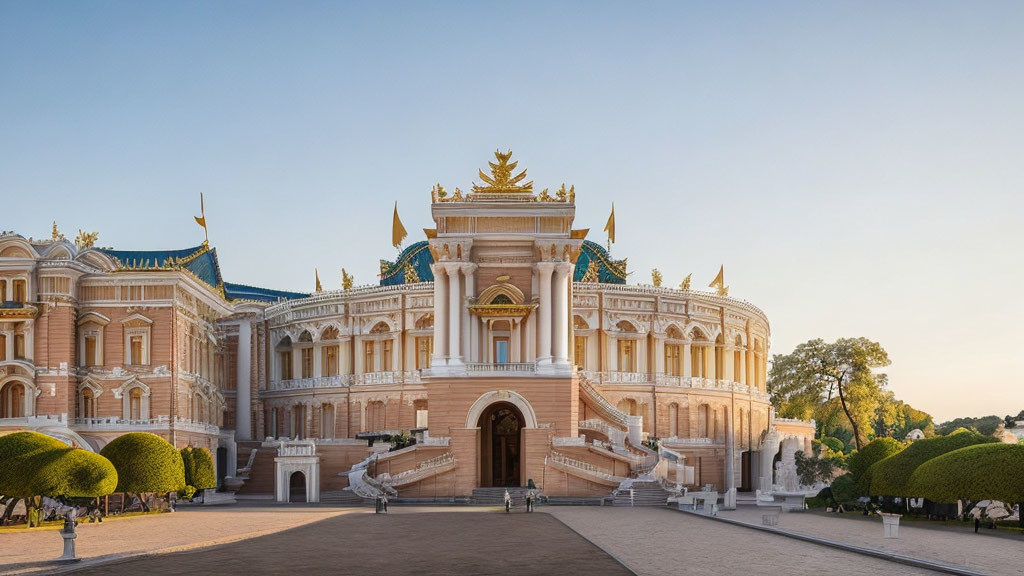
[
  {"x": 145, "y": 462},
  {"x": 890, "y": 477},
  {"x": 198, "y": 468},
  {"x": 980, "y": 472},
  {"x": 843, "y": 489},
  {"x": 878, "y": 449},
  {"x": 35, "y": 464}
]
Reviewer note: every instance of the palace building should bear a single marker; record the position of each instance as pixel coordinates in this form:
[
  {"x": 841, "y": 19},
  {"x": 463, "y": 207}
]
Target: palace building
[{"x": 505, "y": 342}]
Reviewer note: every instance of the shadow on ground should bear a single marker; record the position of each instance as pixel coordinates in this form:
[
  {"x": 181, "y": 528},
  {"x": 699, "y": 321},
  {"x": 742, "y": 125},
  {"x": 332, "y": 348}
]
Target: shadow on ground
[{"x": 423, "y": 543}]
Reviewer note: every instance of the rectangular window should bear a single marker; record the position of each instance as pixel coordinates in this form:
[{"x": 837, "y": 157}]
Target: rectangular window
[
  {"x": 424, "y": 349},
  {"x": 307, "y": 362},
  {"x": 136, "y": 347},
  {"x": 627, "y": 359},
  {"x": 501, "y": 350},
  {"x": 673, "y": 366},
  {"x": 19, "y": 291},
  {"x": 329, "y": 360},
  {"x": 19, "y": 346},
  {"x": 286, "y": 365},
  {"x": 387, "y": 356},
  {"x": 3, "y": 348},
  {"x": 581, "y": 351},
  {"x": 90, "y": 351},
  {"x": 368, "y": 356}
]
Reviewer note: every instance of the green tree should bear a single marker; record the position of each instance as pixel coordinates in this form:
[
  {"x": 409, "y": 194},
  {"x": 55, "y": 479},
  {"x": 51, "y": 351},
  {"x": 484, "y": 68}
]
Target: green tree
[
  {"x": 980, "y": 472},
  {"x": 817, "y": 371},
  {"x": 199, "y": 471},
  {"x": 896, "y": 418},
  {"x": 986, "y": 425},
  {"x": 37, "y": 465},
  {"x": 874, "y": 451},
  {"x": 891, "y": 476},
  {"x": 145, "y": 463}
]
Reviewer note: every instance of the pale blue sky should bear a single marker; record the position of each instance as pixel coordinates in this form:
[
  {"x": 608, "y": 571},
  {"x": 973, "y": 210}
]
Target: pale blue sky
[{"x": 856, "y": 166}]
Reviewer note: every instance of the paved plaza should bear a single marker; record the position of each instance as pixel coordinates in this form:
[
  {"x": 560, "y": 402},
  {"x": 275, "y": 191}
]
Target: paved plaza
[{"x": 436, "y": 540}]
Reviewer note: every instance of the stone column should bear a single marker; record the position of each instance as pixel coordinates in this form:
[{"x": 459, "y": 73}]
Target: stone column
[
  {"x": 468, "y": 345},
  {"x": 440, "y": 315},
  {"x": 687, "y": 368},
  {"x": 544, "y": 270},
  {"x": 659, "y": 355},
  {"x": 514, "y": 342},
  {"x": 454, "y": 315},
  {"x": 560, "y": 313},
  {"x": 243, "y": 390},
  {"x": 730, "y": 450}
]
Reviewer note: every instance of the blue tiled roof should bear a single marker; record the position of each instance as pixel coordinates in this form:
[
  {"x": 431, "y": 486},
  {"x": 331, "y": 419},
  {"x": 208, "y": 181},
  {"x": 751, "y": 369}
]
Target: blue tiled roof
[
  {"x": 203, "y": 264},
  {"x": 608, "y": 271},
  {"x": 243, "y": 292},
  {"x": 417, "y": 254}
]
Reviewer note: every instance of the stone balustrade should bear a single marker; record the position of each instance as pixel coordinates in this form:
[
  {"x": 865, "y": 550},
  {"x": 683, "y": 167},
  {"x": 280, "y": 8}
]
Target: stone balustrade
[
  {"x": 140, "y": 424},
  {"x": 347, "y": 380},
  {"x": 502, "y": 369}
]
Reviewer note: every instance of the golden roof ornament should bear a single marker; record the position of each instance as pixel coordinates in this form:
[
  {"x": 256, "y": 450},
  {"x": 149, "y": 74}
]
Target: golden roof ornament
[
  {"x": 411, "y": 276},
  {"x": 656, "y": 278},
  {"x": 501, "y": 179},
  {"x": 685, "y": 284},
  {"x": 591, "y": 274},
  {"x": 346, "y": 280},
  {"x": 55, "y": 234},
  {"x": 398, "y": 232},
  {"x": 316, "y": 274},
  {"x": 86, "y": 239}
]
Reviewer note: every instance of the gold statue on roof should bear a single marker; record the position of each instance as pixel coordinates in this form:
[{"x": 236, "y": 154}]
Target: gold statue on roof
[
  {"x": 346, "y": 280},
  {"x": 86, "y": 239},
  {"x": 501, "y": 179},
  {"x": 656, "y": 278},
  {"x": 56, "y": 235},
  {"x": 685, "y": 284},
  {"x": 411, "y": 276},
  {"x": 591, "y": 273}
]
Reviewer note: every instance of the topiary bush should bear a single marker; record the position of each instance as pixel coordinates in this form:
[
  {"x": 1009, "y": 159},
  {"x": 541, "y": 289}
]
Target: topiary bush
[
  {"x": 145, "y": 463},
  {"x": 834, "y": 444},
  {"x": 890, "y": 477},
  {"x": 878, "y": 449},
  {"x": 844, "y": 489},
  {"x": 979, "y": 472},
  {"x": 199, "y": 471},
  {"x": 35, "y": 464}
]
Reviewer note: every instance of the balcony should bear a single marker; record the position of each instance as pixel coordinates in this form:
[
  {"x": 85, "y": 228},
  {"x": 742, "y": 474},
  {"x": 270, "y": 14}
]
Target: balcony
[
  {"x": 501, "y": 368},
  {"x": 15, "y": 310},
  {"x": 347, "y": 380},
  {"x": 641, "y": 378},
  {"x": 148, "y": 424}
]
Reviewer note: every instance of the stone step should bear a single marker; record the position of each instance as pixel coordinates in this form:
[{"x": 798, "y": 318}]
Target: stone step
[
  {"x": 344, "y": 498},
  {"x": 495, "y": 496}
]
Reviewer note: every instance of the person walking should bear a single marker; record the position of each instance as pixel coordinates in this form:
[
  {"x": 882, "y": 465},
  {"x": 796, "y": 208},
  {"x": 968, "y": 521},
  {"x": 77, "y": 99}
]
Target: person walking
[
  {"x": 529, "y": 501},
  {"x": 508, "y": 502}
]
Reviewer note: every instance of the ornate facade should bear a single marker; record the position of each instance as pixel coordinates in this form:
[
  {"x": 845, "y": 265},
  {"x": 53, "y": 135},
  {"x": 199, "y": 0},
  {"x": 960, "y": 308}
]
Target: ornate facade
[{"x": 507, "y": 342}]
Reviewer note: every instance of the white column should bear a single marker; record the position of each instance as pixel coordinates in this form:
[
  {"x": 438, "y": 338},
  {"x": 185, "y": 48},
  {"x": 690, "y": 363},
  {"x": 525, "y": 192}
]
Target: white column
[
  {"x": 687, "y": 368},
  {"x": 243, "y": 404},
  {"x": 440, "y": 315},
  {"x": 469, "y": 291},
  {"x": 544, "y": 270},
  {"x": 454, "y": 315},
  {"x": 561, "y": 313},
  {"x": 659, "y": 355},
  {"x": 514, "y": 342}
]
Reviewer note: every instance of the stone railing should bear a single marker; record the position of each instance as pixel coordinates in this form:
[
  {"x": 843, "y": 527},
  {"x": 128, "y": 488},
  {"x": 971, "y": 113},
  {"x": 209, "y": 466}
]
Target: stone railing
[
  {"x": 296, "y": 448},
  {"x": 695, "y": 295},
  {"x": 676, "y": 441},
  {"x": 618, "y": 416},
  {"x": 425, "y": 469},
  {"x": 615, "y": 436},
  {"x": 569, "y": 441},
  {"x": 660, "y": 379},
  {"x": 502, "y": 368},
  {"x": 158, "y": 423},
  {"x": 347, "y": 380},
  {"x": 581, "y": 468}
]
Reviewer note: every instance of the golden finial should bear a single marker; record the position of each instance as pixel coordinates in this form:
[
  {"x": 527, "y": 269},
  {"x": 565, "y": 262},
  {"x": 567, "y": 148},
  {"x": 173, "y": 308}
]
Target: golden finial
[
  {"x": 562, "y": 194},
  {"x": 346, "y": 280},
  {"x": 591, "y": 274},
  {"x": 501, "y": 178},
  {"x": 685, "y": 284},
  {"x": 719, "y": 282},
  {"x": 86, "y": 239},
  {"x": 656, "y": 278},
  {"x": 572, "y": 194},
  {"x": 398, "y": 232},
  {"x": 544, "y": 196},
  {"x": 411, "y": 277},
  {"x": 56, "y": 235},
  {"x": 316, "y": 274},
  {"x": 609, "y": 227},
  {"x": 201, "y": 220}
]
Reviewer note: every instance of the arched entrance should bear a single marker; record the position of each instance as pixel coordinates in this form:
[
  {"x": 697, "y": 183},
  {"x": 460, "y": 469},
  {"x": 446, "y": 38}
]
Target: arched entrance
[
  {"x": 12, "y": 400},
  {"x": 297, "y": 487},
  {"x": 501, "y": 455}
]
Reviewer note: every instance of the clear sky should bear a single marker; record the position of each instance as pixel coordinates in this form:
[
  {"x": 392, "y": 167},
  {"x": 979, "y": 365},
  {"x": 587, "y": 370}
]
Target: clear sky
[{"x": 856, "y": 166}]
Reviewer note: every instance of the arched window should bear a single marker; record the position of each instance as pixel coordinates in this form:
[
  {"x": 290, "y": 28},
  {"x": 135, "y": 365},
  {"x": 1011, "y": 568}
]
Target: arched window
[
  {"x": 135, "y": 404},
  {"x": 88, "y": 403}
]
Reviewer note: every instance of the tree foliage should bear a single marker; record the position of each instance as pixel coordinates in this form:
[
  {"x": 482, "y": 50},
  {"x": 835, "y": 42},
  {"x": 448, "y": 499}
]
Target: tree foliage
[
  {"x": 891, "y": 476},
  {"x": 878, "y": 449},
  {"x": 896, "y": 418},
  {"x": 986, "y": 425},
  {"x": 35, "y": 464},
  {"x": 145, "y": 463},
  {"x": 818, "y": 371},
  {"x": 199, "y": 471},
  {"x": 981, "y": 472}
]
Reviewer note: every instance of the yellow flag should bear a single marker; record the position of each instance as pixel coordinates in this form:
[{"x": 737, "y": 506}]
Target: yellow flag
[
  {"x": 719, "y": 282},
  {"x": 610, "y": 226},
  {"x": 201, "y": 220},
  {"x": 398, "y": 232},
  {"x": 316, "y": 274}
]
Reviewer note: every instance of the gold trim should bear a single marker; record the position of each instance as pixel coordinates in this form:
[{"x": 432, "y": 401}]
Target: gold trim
[{"x": 502, "y": 310}]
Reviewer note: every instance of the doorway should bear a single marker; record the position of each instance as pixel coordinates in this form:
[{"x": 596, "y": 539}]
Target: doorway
[
  {"x": 297, "y": 487},
  {"x": 501, "y": 428}
]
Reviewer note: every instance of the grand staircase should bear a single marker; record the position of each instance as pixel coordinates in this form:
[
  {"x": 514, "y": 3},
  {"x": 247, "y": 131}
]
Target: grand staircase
[
  {"x": 644, "y": 494},
  {"x": 344, "y": 498}
]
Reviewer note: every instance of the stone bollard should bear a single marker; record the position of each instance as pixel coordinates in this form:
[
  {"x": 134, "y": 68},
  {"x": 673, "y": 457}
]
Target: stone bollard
[
  {"x": 891, "y": 525},
  {"x": 69, "y": 535}
]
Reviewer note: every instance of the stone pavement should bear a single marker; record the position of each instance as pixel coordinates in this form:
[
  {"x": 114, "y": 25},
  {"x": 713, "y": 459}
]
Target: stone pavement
[
  {"x": 21, "y": 552},
  {"x": 403, "y": 542},
  {"x": 984, "y": 552},
  {"x": 659, "y": 541}
]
